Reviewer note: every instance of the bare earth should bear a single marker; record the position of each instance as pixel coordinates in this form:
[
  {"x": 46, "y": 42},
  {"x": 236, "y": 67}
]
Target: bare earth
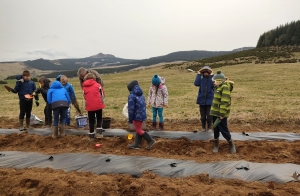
[{"x": 34, "y": 181}]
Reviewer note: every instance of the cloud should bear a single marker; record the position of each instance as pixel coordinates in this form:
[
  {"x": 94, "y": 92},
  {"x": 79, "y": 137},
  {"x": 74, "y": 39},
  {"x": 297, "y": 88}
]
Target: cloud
[
  {"x": 47, "y": 53},
  {"x": 49, "y": 37}
]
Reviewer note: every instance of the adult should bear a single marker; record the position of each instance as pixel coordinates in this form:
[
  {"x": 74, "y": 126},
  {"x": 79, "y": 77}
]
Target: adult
[
  {"x": 205, "y": 96},
  {"x": 82, "y": 72}
]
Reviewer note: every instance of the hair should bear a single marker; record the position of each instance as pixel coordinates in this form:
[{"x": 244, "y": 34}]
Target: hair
[
  {"x": 42, "y": 79},
  {"x": 81, "y": 71},
  {"x": 63, "y": 78},
  {"x": 89, "y": 76},
  {"x": 26, "y": 73}
]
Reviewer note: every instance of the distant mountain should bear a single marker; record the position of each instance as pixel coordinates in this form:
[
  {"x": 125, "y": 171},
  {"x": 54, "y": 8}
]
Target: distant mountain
[{"x": 242, "y": 49}]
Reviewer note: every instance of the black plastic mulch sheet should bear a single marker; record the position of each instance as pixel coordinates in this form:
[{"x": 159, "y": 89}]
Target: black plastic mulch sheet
[
  {"x": 136, "y": 165},
  {"x": 173, "y": 134}
]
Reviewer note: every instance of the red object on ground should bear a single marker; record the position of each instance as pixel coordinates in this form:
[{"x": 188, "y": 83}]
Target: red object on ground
[{"x": 98, "y": 145}]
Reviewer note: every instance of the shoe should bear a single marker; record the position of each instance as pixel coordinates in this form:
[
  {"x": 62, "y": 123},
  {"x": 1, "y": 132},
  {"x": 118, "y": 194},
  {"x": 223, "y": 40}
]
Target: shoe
[
  {"x": 209, "y": 130},
  {"x": 149, "y": 140},
  {"x": 92, "y": 136},
  {"x": 203, "y": 130},
  {"x": 21, "y": 125},
  {"x": 153, "y": 125},
  {"x": 216, "y": 145},
  {"x": 99, "y": 133},
  {"x": 55, "y": 132},
  {"x": 161, "y": 126},
  {"x": 137, "y": 142},
  {"x": 62, "y": 130},
  {"x": 232, "y": 147}
]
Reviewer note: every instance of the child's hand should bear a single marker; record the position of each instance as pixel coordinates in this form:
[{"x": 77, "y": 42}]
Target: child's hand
[
  {"x": 37, "y": 103},
  {"x": 167, "y": 106},
  {"x": 148, "y": 105}
]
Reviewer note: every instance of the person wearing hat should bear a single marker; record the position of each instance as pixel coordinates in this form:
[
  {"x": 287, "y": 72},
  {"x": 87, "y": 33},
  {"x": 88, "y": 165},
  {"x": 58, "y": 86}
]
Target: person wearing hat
[
  {"x": 137, "y": 114},
  {"x": 205, "y": 96},
  {"x": 158, "y": 99},
  {"x": 220, "y": 110}
]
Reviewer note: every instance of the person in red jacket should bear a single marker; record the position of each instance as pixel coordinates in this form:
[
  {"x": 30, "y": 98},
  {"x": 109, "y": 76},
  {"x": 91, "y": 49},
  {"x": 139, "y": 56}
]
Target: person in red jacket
[{"x": 94, "y": 103}]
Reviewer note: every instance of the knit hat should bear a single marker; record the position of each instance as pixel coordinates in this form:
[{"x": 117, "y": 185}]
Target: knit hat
[
  {"x": 132, "y": 84},
  {"x": 58, "y": 77},
  {"x": 155, "y": 80},
  {"x": 89, "y": 76},
  {"x": 205, "y": 68},
  {"x": 219, "y": 76}
]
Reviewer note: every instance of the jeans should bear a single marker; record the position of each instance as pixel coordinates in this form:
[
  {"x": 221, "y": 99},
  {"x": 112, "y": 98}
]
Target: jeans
[
  {"x": 59, "y": 114},
  {"x": 158, "y": 111},
  {"x": 68, "y": 116},
  {"x": 25, "y": 108}
]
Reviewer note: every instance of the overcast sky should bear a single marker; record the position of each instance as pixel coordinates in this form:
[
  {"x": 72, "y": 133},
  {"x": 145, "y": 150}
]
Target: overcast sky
[{"x": 134, "y": 29}]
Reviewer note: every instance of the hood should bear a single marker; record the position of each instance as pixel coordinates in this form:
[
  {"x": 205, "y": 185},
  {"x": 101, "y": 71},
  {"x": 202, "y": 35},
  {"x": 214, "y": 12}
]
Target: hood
[
  {"x": 56, "y": 85},
  {"x": 47, "y": 83},
  {"x": 88, "y": 82},
  {"x": 137, "y": 90}
]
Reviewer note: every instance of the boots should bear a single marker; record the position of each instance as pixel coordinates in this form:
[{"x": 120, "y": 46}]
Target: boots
[
  {"x": 21, "y": 124},
  {"x": 161, "y": 126},
  {"x": 62, "y": 130},
  {"x": 209, "y": 126},
  {"x": 149, "y": 140},
  {"x": 27, "y": 124},
  {"x": 92, "y": 136},
  {"x": 153, "y": 125},
  {"x": 137, "y": 142},
  {"x": 99, "y": 133},
  {"x": 55, "y": 132},
  {"x": 216, "y": 145},
  {"x": 232, "y": 147}
]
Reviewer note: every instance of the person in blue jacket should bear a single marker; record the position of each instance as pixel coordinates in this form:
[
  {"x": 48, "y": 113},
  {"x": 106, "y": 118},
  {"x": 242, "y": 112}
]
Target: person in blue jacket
[
  {"x": 24, "y": 86},
  {"x": 69, "y": 88},
  {"x": 59, "y": 100},
  {"x": 205, "y": 96}
]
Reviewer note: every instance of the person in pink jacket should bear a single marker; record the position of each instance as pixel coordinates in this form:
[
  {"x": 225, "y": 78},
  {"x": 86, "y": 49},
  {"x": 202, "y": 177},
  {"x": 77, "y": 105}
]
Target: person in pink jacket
[
  {"x": 158, "y": 99},
  {"x": 94, "y": 103}
]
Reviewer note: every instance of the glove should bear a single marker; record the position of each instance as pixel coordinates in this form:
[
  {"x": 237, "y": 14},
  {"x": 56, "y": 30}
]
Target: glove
[
  {"x": 34, "y": 94},
  {"x": 8, "y": 88},
  {"x": 37, "y": 103},
  {"x": 21, "y": 80}
]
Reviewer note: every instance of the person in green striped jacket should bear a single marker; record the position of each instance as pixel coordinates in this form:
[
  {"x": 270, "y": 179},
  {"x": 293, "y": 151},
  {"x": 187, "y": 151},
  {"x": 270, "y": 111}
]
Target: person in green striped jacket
[{"x": 220, "y": 110}]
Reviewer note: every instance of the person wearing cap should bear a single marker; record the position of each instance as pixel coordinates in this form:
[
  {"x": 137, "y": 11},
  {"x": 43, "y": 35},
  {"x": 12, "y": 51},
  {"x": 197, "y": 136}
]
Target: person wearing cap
[
  {"x": 137, "y": 114},
  {"x": 205, "y": 96},
  {"x": 158, "y": 99},
  {"x": 220, "y": 110}
]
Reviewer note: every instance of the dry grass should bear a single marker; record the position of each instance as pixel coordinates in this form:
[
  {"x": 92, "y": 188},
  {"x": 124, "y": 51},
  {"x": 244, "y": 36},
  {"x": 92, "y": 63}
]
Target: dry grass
[{"x": 262, "y": 93}]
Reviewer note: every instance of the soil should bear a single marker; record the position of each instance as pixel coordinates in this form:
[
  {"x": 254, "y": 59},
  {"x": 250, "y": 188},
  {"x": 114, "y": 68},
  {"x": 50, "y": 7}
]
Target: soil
[{"x": 34, "y": 181}]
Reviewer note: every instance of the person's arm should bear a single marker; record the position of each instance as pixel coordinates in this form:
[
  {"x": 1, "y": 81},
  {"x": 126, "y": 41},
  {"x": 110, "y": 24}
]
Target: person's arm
[
  {"x": 98, "y": 78},
  {"x": 149, "y": 96},
  {"x": 131, "y": 106},
  {"x": 72, "y": 92},
  {"x": 49, "y": 96},
  {"x": 198, "y": 80},
  {"x": 225, "y": 101},
  {"x": 165, "y": 95},
  {"x": 68, "y": 97}
]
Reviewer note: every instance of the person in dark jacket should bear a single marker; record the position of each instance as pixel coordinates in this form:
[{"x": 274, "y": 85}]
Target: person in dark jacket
[
  {"x": 81, "y": 73},
  {"x": 24, "y": 86},
  {"x": 205, "y": 96},
  {"x": 137, "y": 114},
  {"x": 44, "y": 85},
  {"x": 94, "y": 103},
  {"x": 59, "y": 99}
]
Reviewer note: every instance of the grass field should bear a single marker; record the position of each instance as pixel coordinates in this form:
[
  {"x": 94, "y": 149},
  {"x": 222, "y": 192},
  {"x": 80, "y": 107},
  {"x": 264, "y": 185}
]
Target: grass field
[{"x": 262, "y": 92}]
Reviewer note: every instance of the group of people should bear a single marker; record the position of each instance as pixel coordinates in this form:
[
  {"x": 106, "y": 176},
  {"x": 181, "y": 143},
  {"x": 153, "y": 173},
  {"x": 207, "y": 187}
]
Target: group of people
[{"x": 214, "y": 99}]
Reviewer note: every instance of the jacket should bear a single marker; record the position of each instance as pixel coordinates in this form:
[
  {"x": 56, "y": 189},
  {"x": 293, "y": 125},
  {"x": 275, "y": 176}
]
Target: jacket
[
  {"x": 98, "y": 78},
  {"x": 57, "y": 96},
  {"x": 159, "y": 98},
  {"x": 93, "y": 95},
  {"x": 222, "y": 100},
  {"x": 69, "y": 88},
  {"x": 206, "y": 89},
  {"x": 136, "y": 105},
  {"x": 24, "y": 87},
  {"x": 43, "y": 90}
]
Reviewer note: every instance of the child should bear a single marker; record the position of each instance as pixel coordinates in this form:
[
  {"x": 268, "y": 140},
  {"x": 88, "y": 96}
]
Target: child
[
  {"x": 205, "y": 96},
  {"x": 25, "y": 86},
  {"x": 44, "y": 87},
  {"x": 94, "y": 103},
  {"x": 220, "y": 110},
  {"x": 69, "y": 88},
  {"x": 158, "y": 98},
  {"x": 137, "y": 114},
  {"x": 59, "y": 99}
]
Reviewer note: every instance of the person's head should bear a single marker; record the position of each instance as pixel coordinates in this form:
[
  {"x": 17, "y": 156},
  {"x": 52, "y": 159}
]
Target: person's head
[
  {"x": 26, "y": 75},
  {"x": 205, "y": 71},
  {"x": 42, "y": 81},
  {"x": 82, "y": 72},
  {"x": 132, "y": 84},
  {"x": 89, "y": 76},
  {"x": 63, "y": 80},
  {"x": 156, "y": 80},
  {"x": 219, "y": 77}
]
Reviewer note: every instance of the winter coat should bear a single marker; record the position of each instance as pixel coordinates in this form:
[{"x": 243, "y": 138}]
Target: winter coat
[
  {"x": 222, "y": 100},
  {"x": 69, "y": 88},
  {"x": 159, "y": 98},
  {"x": 206, "y": 89},
  {"x": 57, "y": 96},
  {"x": 98, "y": 78},
  {"x": 44, "y": 89},
  {"x": 24, "y": 87},
  {"x": 136, "y": 105},
  {"x": 93, "y": 95}
]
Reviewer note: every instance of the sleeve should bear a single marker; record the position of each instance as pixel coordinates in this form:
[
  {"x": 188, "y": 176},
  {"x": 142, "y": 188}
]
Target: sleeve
[
  {"x": 131, "y": 106},
  {"x": 80, "y": 81},
  {"x": 198, "y": 80},
  {"x": 49, "y": 96},
  {"x": 68, "y": 97},
  {"x": 98, "y": 78},
  {"x": 72, "y": 92},
  {"x": 36, "y": 97},
  {"x": 149, "y": 96},
  {"x": 165, "y": 95},
  {"x": 225, "y": 100}
]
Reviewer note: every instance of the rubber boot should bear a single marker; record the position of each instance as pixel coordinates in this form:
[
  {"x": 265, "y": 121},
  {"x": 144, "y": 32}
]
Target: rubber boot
[
  {"x": 92, "y": 136},
  {"x": 216, "y": 145},
  {"x": 55, "y": 132},
  {"x": 161, "y": 126},
  {"x": 137, "y": 142},
  {"x": 99, "y": 133},
  {"x": 203, "y": 122},
  {"x": 27, "y": 124},
  {"x": 232, "y": 147},
  {"x": 149, "y": 140},
  {"x": 62, "y": 130},
  {"x": 153, "y": 125},
  {"x": 21, "y": 124}
]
